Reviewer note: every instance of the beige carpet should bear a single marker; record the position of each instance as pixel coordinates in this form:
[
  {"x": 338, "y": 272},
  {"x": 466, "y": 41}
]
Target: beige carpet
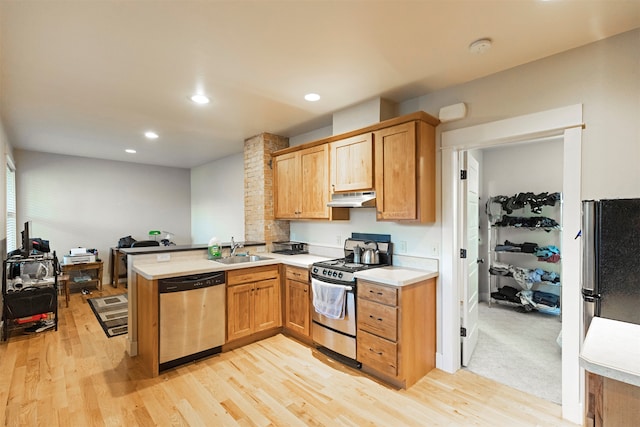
[{"x": 520, "y": 350}]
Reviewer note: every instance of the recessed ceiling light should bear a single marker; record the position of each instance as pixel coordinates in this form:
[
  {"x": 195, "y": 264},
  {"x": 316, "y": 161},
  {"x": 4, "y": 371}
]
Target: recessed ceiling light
[
  {"x": 312, "y": 97},
  {"x": 200, "y": 99},
  {"x": 130, "y": 151},
  {"x": 151, "y": 134},
  {"x": 480, "y": 46}
]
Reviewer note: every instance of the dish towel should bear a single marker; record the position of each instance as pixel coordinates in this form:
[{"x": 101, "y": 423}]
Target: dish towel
[{"x": 328, "y": 299}]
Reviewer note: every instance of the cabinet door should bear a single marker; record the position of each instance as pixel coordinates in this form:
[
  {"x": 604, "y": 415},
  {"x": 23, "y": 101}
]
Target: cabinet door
[
  {"x": 266, "y": 301},
  {"x": 286, "y": 185},
  {"x": 378, "y": 319},
  {"x": 314, "y": 182},
  {"x": 297, "y": 315},
  {"x": 251, "y": 274},
  {"x": 240, "y": 311},
  {"x": 352, "y": 163},
  {"x": 395, "y": 164},
  {"x": 379, "y": 353}
]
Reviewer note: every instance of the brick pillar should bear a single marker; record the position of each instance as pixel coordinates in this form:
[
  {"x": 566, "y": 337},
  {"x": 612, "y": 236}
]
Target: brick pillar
[{"x": 259, "y": 222}]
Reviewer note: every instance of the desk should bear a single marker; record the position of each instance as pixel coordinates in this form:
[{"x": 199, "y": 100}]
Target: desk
[
  {"x": 87, "y": 266},
  {"x": 114, "y": 266}
]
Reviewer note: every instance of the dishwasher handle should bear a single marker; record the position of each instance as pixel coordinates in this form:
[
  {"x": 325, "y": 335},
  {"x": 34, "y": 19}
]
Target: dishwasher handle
[{"x": 194, "y": 281}]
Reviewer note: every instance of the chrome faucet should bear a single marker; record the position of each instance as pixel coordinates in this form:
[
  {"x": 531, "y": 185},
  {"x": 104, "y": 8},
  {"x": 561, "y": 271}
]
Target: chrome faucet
[{"x": 234, "y": 246}]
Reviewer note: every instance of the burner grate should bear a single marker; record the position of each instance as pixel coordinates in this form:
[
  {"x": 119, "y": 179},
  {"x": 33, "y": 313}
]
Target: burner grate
[{"x": 353, "y": 265}]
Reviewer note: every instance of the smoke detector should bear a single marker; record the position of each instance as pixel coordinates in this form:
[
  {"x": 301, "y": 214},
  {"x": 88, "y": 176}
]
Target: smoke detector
[{"x": 480, "y": 46}]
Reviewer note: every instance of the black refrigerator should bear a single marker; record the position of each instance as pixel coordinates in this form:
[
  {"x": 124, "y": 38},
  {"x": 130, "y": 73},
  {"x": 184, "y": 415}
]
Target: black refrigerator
[{"x": 611, "y": 260}]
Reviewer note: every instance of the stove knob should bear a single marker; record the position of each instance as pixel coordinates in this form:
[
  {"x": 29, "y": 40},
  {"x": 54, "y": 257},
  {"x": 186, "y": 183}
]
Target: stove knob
[
  {"x": 335, "y": 274},
  {"x": 315, "y": 270},
  {"x": 324, "y": 272},
  {"x": 340, "y": 275}
]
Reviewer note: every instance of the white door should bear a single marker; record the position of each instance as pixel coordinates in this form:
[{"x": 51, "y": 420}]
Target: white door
[{"x": 470, "y": 279}]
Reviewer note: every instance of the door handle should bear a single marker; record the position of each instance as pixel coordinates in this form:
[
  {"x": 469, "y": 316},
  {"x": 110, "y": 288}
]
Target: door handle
[
  {"x": 590, "y": 296},
  {"x": 480, "y": 260}
]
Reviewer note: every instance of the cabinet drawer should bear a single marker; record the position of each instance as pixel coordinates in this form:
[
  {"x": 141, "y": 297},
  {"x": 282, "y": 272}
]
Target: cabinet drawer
[
  {"x": 381, "y": 320},
  {"x": 254, "y": 274},
  {"x": 297, "y": 273},
  {"x": 378, "y": 353},
  {"x": 377, "y": 293}
]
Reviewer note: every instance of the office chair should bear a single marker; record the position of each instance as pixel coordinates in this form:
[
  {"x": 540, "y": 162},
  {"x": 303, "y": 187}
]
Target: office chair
[
  {"x": 144, "y": 243},
  {"x": 141, "y": 244}
]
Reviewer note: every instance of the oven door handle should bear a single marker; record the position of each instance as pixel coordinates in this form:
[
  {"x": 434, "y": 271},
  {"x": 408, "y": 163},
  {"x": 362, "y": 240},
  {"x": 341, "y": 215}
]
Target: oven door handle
[
  {"x": 324, "y": 280},
  {"x": 347, "y": 288}
]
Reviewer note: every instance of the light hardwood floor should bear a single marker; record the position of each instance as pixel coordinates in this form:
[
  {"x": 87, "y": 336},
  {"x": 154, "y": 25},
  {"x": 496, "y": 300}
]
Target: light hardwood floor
[{"x": 79, "y": 377}]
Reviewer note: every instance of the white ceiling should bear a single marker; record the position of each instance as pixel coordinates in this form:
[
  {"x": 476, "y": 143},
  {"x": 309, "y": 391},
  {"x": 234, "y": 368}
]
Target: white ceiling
[{"x": 88, "y": 78}]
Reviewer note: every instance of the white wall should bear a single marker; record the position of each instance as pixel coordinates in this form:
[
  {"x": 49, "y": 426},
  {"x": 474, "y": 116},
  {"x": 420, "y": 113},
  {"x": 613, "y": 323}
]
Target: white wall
[
  {"x": 422, "y": 240},
  {"x": 76, "y": 201},
  {"x": 603, "y": 76},
  {"x": 314, "y": 135},
  {"x": 364, "y": 114},
  {"x": 217, "y": 200}
]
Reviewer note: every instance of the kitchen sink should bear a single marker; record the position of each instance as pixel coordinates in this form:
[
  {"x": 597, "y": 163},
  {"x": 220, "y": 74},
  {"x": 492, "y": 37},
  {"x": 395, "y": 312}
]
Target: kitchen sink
[{"x": 242, "y": 259}]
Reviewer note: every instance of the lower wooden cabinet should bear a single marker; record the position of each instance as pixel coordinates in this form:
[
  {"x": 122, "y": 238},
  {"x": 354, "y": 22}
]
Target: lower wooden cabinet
[
  {"x": 396, "y": 338},
  {"x": 378, "y": 353},
  {"x": 297, "y": 301},
  {"x": 611, "y": 403},
  {"x": 253, "y": 301},
  {"x": 147, "y": 308}
]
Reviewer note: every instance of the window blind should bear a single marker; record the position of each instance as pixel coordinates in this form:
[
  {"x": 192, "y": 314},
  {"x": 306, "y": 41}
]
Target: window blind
[{"x": 11, "y": 207}]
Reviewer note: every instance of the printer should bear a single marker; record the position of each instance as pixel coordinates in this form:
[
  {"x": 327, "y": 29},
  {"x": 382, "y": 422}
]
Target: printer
[{"x": 78, "y": 256}]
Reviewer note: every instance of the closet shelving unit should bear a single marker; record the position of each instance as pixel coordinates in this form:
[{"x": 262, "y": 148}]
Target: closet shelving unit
[
  {"x": 540, "y": 235},
  {"x": 29, "y": 290}
]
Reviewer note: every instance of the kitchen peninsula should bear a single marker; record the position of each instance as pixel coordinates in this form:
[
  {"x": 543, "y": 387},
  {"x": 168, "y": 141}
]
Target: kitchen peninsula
[
  {"x": 165, "y": 255},
  {"x": 270, "y": 269},
  {"x": 610, "y": 354}
]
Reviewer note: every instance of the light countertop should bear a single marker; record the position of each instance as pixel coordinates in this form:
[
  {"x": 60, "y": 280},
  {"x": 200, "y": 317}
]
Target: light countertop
[
  {"x": 177, "y": 248},
  {"x": 162, "y": 270},
  {"x": 394, "y": 276},
  {"x": 612, "y": 349}
]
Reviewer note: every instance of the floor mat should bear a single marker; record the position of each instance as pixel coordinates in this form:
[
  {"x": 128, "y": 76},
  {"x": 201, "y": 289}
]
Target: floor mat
[{"x": 112, "y": 312}]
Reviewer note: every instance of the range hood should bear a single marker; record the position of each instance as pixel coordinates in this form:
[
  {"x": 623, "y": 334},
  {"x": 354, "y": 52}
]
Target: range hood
[{"x": 365, "y": 199}]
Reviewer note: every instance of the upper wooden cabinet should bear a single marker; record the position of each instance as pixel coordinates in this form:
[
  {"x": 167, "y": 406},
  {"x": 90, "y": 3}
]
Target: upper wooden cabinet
[
  {"x": 352, "y": 163},
  {"x": 405, "y": 172},
  {"x": 301, "y": 184},
  {"x": 396, "y": 158}
]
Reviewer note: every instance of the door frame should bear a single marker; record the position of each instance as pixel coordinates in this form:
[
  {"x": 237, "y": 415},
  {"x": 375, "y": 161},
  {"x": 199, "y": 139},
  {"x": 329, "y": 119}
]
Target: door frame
[{"x": 568, "y": 123}]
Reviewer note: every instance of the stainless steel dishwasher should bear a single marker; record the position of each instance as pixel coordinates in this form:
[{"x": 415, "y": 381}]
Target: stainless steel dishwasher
[{"x": 192, "y": 318}]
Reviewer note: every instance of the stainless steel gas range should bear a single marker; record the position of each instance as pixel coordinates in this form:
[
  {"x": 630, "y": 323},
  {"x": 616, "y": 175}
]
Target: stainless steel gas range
[{"x": 334, "y": 294}]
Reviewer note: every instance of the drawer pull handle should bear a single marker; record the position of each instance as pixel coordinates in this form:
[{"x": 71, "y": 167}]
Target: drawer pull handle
[
  {"x": 379, "y": 353},
  {"x": 378, "y": 319},
  {"x": 372, "y": 292}
]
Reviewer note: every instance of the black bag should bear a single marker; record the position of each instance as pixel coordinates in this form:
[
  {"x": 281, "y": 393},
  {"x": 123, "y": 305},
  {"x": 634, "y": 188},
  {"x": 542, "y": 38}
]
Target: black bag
[
  {"x": 40, "y": 245},
  {"x": 126, "y": 242},
  {"x": 29, "y": 301}
]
